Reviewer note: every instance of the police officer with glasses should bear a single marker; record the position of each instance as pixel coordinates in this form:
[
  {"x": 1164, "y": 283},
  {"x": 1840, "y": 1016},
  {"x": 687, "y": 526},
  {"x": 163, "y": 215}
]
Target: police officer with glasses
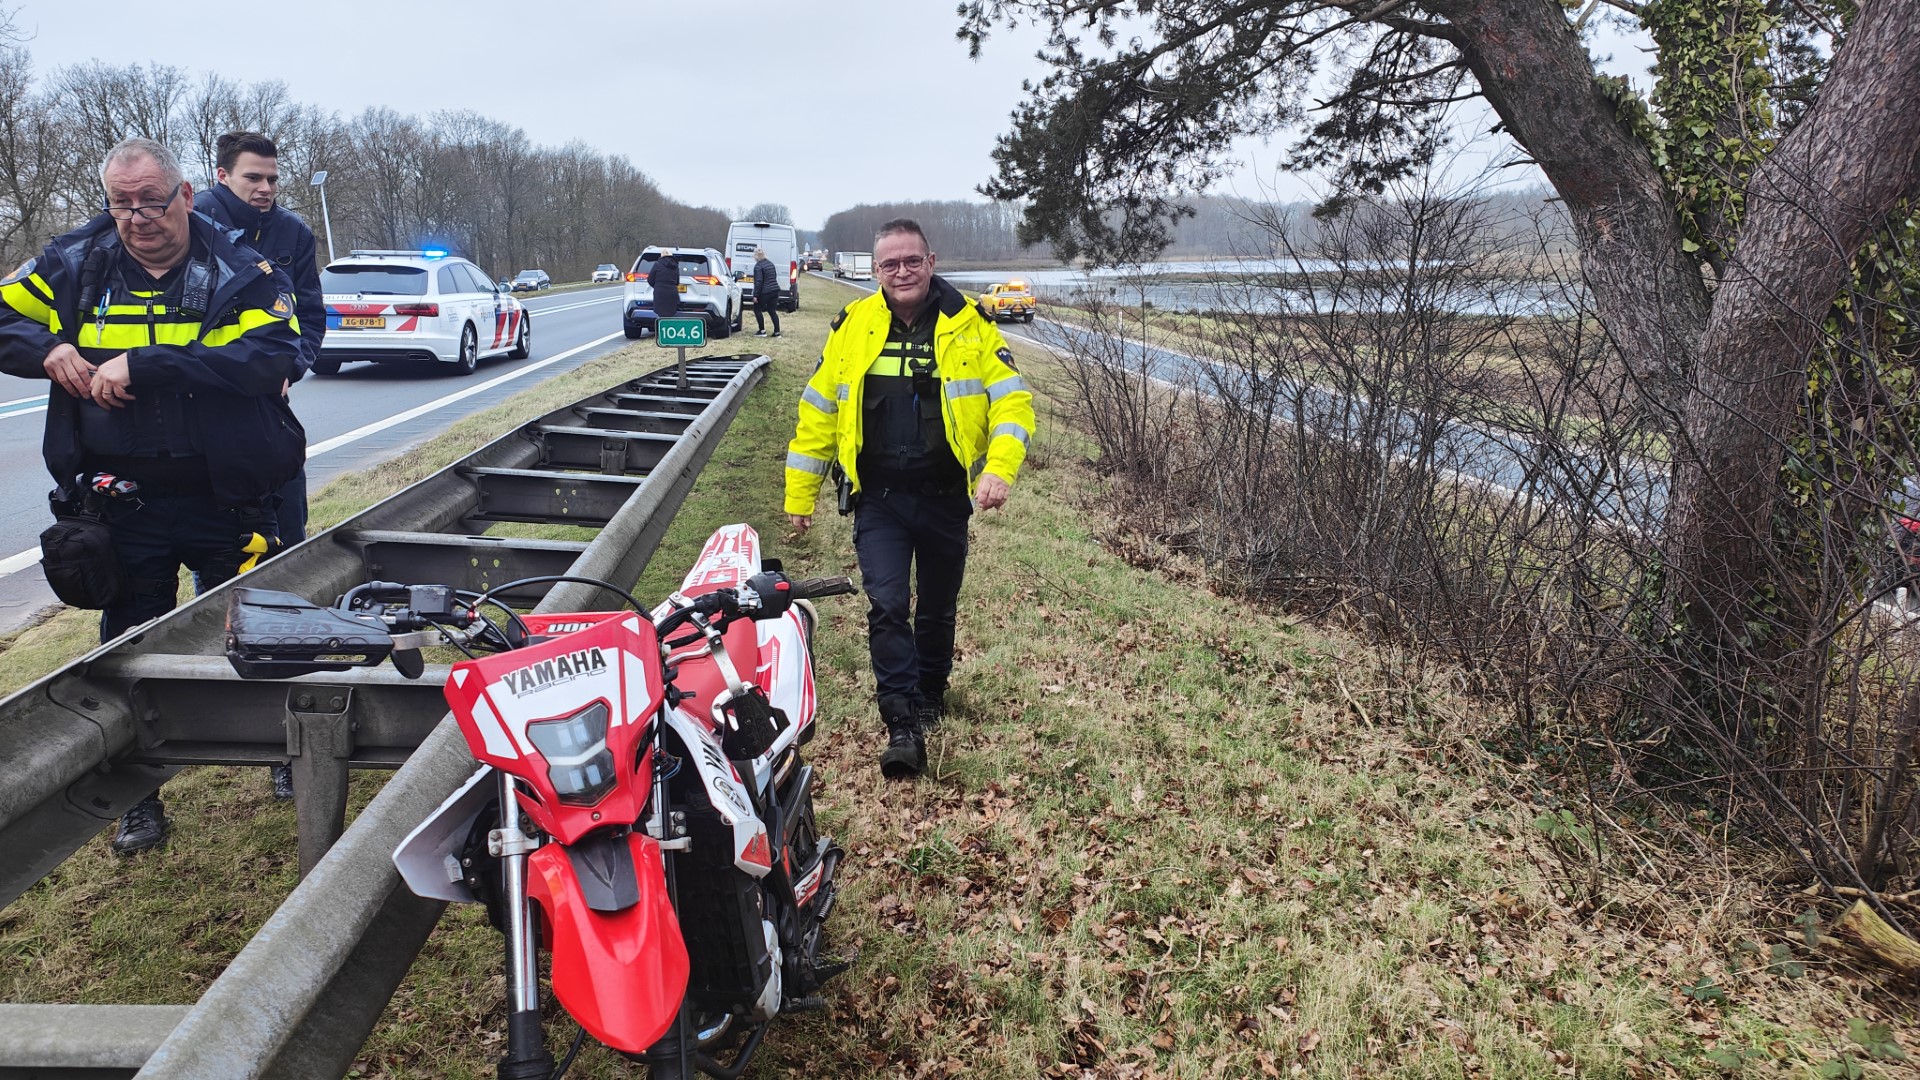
[
  {"x": 916, "y": 398},
  {"x": 168, "y": 344}
]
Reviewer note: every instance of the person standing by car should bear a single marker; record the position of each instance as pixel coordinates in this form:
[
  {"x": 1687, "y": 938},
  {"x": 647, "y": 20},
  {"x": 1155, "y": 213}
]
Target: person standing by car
[
  {"x": 917, "y": 399},
  {"x": 169, "y": 344},
  {"x": 664, "y": 277},
  {"x": 245, "y": 196},
  {"x": 766, "y": 293}
]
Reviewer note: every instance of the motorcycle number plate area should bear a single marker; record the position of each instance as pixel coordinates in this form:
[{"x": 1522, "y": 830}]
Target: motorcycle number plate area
[
  {"x": 728, "y": 793},
  {"x": 621, "y": 974}
]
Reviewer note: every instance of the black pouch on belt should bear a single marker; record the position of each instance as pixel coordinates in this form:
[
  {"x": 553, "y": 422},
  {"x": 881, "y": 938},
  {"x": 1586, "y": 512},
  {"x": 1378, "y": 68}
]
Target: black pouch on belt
[
  {"x": 76, "y": 552},
  {"x": 844, "y": 498}
]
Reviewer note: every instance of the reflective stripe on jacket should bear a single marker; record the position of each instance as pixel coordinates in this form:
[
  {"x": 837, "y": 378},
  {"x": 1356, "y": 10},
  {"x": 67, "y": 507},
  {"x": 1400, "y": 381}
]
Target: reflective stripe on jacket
[
  {"x": 231, "y": 362},
  {"x": 985, "y": 403},
  {"x": 278, "y": 234}
]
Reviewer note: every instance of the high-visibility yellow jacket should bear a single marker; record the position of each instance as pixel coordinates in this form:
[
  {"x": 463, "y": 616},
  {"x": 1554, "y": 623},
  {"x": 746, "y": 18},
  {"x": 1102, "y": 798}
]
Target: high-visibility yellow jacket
[{"x": 985, "y": 404}]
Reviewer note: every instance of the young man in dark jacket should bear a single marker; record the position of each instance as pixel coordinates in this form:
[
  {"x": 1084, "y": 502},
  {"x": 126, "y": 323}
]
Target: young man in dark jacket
[
  {"x": 169, "y": 345},
  {"x": 766, "y": 293},
  {"x": 245, "y": 197}
]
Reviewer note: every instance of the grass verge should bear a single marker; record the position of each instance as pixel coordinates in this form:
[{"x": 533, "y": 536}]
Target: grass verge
[{"x": 1164, "y": 835}]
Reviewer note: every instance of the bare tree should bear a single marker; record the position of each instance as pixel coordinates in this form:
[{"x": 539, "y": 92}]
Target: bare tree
[
  {"x": 768, "y": 211},
  {"x": 33, "y": 169}
]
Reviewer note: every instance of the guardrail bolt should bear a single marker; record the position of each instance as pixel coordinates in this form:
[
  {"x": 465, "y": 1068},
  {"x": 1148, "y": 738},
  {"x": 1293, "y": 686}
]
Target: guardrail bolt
[
  {"x": 303, "y": 701},
  {"x": 336, "y": 703}
]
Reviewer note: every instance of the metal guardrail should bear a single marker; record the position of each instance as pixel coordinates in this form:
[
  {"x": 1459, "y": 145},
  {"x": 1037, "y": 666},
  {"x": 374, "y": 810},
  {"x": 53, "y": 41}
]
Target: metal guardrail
[{"x": 83, "y": 744}]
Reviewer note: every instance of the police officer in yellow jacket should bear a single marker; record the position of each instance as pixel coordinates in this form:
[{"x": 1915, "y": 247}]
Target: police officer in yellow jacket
[
  {"x": 917, "y": 399},
  {"x": 167, "y": 344}
]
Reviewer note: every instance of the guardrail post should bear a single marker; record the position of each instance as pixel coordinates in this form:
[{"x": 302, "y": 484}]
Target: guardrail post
[{"x": 319, "y": 740}]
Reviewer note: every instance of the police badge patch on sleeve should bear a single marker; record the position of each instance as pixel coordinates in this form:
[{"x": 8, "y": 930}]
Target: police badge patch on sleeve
[
  {"x": 19, "y": 272},
  {"x": 1006, "y": 356},
  {"x": 282, "y": 305}
]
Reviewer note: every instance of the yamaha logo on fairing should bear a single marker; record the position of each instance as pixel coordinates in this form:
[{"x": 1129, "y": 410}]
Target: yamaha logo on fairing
[{"x": 536, "y": 677}]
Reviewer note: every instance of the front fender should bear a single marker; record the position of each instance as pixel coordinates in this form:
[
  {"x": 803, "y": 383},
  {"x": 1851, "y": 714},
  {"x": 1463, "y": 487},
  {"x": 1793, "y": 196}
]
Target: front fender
[{"x": 621, "y": 974}]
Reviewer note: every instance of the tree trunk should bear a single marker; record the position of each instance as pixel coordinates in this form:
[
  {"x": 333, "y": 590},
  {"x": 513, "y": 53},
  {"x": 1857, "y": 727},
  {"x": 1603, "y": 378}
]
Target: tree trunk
[
  {"x": 1810, "y": 206},
  {"x": 1530, "y": 63}
]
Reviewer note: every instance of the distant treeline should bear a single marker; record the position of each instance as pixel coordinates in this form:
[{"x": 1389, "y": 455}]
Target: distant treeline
[
  {"x": 1220, "y": 226},
  {"x": 460, "y": 180},
  {"x": 457, "y": 179}
]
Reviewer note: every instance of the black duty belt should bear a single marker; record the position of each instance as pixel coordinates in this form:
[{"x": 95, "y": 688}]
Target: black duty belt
[
  {"x": 910, "y": 484},
  {"x": 157, "y": 475}
]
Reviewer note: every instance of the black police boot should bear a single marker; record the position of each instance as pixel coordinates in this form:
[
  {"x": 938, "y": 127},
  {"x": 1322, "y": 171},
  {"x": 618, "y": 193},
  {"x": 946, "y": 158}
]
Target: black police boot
[
  {"x": 283, "y": 781},
  {"x": 933, "y": 707},
  {"x": 143, "y": 827},
  {"x": 906, "y": 754}
]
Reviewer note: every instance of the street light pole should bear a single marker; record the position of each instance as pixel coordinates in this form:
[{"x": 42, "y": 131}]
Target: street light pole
[{"x": 319, "y": 180}]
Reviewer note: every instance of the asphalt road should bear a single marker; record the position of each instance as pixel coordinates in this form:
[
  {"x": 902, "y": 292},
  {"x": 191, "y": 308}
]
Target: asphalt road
[
  {"x": 358, "y": 418},
  {"x": 1629, "y": 492}
]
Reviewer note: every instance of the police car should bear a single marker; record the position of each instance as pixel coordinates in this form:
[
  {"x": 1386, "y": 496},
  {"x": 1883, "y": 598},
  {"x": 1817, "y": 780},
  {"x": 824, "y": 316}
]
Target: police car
[{"x": 387, "y": 306}]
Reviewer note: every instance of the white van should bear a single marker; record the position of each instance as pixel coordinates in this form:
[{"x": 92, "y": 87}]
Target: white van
[{"x": 782, "y": 244}]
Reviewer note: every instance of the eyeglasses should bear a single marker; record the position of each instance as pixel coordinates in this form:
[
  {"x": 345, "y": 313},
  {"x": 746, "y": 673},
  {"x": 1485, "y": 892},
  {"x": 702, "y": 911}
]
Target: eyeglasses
[
  {"x": 911, "y": 264},
  {"x": 149, "y": 211}
]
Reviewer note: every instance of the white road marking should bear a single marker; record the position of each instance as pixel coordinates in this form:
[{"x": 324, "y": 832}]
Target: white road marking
[
  {"x": 39, "y": 404},
  {"x": 571, "y": 307},
  {"x": 378, "y": 426},
  {"x": 29, "y": 557}
]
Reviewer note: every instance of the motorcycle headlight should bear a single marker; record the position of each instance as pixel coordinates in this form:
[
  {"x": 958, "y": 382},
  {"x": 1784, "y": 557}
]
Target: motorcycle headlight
[{"x": 578, "y": 761}]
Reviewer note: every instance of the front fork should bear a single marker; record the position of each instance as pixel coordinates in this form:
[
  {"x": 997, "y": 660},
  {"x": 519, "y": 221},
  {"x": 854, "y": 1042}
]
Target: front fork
[{"x": 527, "y": 1057}]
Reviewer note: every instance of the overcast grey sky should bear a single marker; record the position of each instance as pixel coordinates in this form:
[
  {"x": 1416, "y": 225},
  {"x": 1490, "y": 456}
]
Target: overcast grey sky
[{"x": 817, "y": 104}]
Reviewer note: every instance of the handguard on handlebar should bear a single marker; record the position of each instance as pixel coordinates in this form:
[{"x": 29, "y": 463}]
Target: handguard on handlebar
[{"x": 277, "y": 635}]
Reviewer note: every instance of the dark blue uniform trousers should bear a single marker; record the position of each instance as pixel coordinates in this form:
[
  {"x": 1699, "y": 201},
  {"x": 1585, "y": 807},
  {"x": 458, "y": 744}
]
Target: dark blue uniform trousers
[
  {"x": 153, "y": 536},
  {"x": 912, "y": 646}
]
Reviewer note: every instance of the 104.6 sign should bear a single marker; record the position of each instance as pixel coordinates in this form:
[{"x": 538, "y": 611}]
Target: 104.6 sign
[{"x": 681, "y": 333}]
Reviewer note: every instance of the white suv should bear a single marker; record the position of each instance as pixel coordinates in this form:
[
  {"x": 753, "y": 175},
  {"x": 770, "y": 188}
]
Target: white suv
[
  {"x": 386, "y": 306},
  {"x": 706, "y": 290}
]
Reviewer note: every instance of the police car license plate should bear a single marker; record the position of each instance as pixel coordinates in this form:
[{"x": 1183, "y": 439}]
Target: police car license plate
[{"x": 363, "y": 322}]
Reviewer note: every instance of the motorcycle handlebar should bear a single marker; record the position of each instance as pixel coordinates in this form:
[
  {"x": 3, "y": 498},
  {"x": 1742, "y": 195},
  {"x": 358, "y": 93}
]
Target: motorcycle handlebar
[{"x": 809, "y": 588}]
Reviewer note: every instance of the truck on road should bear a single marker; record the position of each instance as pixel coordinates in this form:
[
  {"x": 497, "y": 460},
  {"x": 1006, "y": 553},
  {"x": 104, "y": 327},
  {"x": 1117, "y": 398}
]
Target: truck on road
[{"x": 853, "y": 265}]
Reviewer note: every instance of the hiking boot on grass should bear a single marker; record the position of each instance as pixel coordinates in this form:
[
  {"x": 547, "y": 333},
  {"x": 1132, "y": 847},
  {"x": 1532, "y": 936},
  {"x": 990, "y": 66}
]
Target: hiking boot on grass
[
  {"x": 906, "y": 754},
  {"x": 143, "y": 827},
  {"x": 283, "y": 781},
  {"x": 932, "y": 710}
]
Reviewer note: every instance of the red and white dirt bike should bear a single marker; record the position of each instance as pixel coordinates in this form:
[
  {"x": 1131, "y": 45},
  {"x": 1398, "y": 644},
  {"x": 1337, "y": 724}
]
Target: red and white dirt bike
[{"x": 642, "y": 812}]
